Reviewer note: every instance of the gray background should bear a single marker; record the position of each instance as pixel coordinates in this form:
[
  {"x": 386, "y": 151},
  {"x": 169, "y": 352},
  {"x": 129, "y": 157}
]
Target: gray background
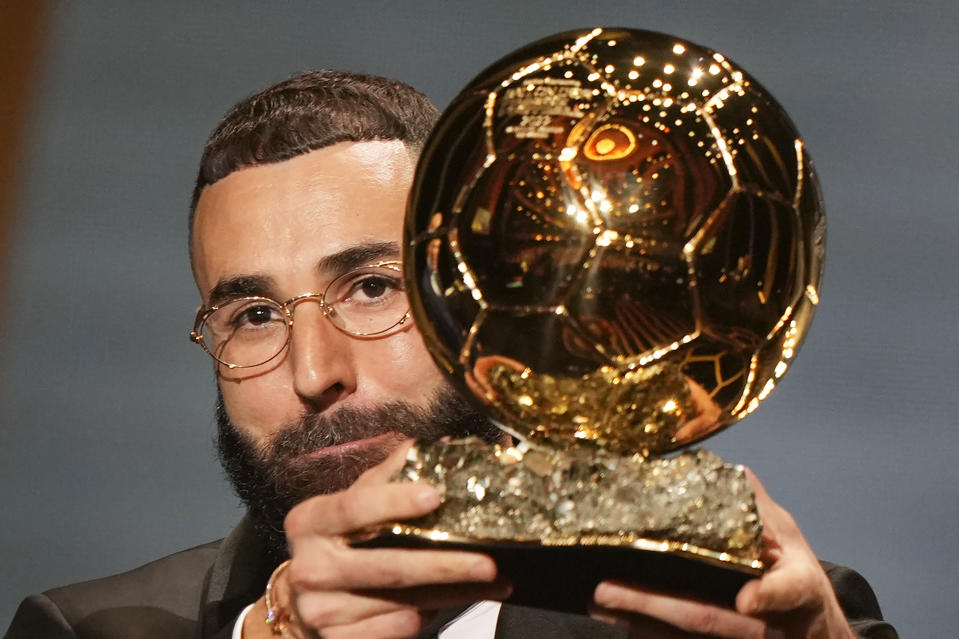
[{"x": 106, "y": 425}]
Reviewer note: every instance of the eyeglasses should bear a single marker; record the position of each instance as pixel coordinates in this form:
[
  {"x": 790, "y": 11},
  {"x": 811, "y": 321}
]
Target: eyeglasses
[{"x": 249, "y": 331}]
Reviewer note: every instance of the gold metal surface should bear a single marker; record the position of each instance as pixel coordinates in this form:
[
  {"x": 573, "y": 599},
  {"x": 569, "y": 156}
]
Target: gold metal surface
[
  {"x": 603, "y": 201},
  {"x": 643, "y": 408},
  {"x": 692, "y": 503}
]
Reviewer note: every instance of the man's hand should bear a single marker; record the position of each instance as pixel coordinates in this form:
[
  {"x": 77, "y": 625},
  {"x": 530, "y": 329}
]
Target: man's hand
[
  {"x": 793, "y": 598},
  {"x": 338, "y": 591}
]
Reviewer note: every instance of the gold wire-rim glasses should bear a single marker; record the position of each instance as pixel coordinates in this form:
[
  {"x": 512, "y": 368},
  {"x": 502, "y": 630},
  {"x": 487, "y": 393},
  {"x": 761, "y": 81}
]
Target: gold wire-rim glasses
[{"x": 203, "y": 313}]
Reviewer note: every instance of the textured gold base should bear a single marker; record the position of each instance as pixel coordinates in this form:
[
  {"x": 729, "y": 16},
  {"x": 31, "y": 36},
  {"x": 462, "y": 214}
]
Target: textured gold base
[{"x": 559, "y": 522}]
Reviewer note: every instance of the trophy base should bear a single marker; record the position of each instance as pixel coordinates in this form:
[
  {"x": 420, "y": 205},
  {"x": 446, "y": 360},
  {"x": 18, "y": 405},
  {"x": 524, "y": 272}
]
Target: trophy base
[
  {"x": 564, "y": 577},
  {"x": 559, "y": 522}
]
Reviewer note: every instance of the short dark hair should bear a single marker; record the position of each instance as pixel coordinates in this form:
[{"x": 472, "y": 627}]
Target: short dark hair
[{"x": 310, "y": 111}]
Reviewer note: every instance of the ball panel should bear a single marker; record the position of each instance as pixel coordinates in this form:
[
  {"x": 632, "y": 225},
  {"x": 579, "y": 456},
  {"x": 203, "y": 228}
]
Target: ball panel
[
  {"x": 521, "y": 249},
  {"x": 775, "y": 356},
  {"x": 632, "y": 305},
  {"x": 651, "y": 62},
  {"x": 438, "y": 291},
  {"x": 459, "y": 138},
  {"x": 747, "y": 262},
  {"x": 809, "y": 204},
  {"x": 721, "y": 369},
  {"x": 760, "y": 139}
]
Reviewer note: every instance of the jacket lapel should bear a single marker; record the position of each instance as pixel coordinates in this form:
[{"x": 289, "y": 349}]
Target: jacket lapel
[{"x": 236, "y": 579}]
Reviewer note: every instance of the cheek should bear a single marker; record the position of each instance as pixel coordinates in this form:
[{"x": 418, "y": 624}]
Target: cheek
[
  {"x": 406, "y": 365},
  {"x": 259, "y": 405}
]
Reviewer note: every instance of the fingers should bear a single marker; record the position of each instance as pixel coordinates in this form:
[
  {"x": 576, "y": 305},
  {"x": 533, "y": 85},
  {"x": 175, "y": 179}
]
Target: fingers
[
  {"x": 360, "y": 507},
  {"x": 382, "y": 472},
  {"x": 794, "y": 578},
  {"x": 324, "y": 610},
  {"x": 651, "y": 612},
  {"x": 329, "y": 565},
  {"x": 795, "y": 582},
  {"x": 322, "y": 559},
  {"x": 359, "y": 592},
  {"x": 793, "y": 596},
  {"x": 362, "y": 592}
]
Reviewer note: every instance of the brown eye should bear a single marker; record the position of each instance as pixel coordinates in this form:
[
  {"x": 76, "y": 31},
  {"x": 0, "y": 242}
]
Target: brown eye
[
  {"x": 370, "y": 286},
  {"x": 373, "y": 286},
  {"x": 254, "y": 316},
  {"x": 246, "y": 314}
]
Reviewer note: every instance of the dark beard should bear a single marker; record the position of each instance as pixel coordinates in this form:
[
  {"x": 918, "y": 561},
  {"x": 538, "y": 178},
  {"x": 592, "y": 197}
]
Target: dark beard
[{"x": 272, "y": 477}]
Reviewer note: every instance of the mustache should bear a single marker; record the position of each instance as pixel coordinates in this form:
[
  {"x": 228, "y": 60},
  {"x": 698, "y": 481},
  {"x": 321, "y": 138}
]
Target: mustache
[{"x": 315, "y": 431}]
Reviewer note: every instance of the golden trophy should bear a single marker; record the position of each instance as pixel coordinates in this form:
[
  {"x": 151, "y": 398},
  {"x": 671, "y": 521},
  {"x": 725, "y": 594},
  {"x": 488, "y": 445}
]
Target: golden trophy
[{"x": 614, "y": 245}]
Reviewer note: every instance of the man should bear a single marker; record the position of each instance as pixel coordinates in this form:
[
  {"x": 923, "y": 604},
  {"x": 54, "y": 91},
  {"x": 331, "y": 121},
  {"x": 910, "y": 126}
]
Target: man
[{"x": 323, "y": 380}]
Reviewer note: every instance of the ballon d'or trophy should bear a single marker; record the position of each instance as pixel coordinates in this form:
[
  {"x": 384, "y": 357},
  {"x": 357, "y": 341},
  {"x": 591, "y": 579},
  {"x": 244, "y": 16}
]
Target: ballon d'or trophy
[{"x": 614, "y": 244}]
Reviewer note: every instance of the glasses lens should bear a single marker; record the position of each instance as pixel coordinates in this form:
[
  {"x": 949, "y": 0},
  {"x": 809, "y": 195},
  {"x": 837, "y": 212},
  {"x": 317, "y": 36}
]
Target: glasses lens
[
  {"x": 367, "y": 301},
  {"x": 246, "y": 332}
]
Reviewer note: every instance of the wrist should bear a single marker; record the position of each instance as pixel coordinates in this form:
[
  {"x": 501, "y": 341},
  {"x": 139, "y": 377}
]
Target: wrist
[
  {"x": 272, "y": 615},
  {"x": 254, "y": 623}
]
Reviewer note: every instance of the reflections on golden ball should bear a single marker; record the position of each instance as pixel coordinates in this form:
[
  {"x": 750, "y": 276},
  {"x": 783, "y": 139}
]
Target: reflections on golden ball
[{"x": 615, "y": 236}]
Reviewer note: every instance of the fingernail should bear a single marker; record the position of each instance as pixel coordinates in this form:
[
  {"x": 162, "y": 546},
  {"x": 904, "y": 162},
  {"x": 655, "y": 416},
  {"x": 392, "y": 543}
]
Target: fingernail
[
  {"x": 428, "y": 497},
  {"x": 483, "y": 571},
  {"x": 603, "y": 594},
  {"x": 749, "y": 606}
]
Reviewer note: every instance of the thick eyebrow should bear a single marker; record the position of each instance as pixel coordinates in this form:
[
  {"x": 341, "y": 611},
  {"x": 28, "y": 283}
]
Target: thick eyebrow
[
  {"x": 356, "y": 256},
  {"x": 338, "y": 263},
  {"x": 241, "y": 286}
]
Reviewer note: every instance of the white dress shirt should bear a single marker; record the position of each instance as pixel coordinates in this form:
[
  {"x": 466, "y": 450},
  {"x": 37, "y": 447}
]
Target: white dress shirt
[{"x": 476, "y": 622}]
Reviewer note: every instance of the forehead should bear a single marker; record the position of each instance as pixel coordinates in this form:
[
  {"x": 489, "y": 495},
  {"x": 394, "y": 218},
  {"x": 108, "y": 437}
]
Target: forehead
[{"x": 280, "y": 220}]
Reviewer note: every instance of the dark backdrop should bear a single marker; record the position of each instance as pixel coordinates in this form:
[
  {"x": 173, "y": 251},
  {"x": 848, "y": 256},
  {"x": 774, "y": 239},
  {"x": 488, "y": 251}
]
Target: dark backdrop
[{"x": 106, "y": 422}]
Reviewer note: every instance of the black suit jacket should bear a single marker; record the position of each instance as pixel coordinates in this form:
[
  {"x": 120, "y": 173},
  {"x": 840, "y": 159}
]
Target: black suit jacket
[{"x": 197, "y": 594}]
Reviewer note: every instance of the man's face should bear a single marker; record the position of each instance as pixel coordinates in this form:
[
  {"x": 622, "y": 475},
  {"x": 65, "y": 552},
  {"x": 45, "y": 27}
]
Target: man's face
[{"x": 281, "y": 230}]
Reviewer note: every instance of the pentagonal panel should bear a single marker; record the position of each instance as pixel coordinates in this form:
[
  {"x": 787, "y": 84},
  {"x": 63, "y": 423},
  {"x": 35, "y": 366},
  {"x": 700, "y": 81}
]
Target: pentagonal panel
[
  {"x": 759, "y": 138},
  {"x": 520, "y": 249},
  {"x": 748, "y": 264},
  {"x": 631, "y": 304}
]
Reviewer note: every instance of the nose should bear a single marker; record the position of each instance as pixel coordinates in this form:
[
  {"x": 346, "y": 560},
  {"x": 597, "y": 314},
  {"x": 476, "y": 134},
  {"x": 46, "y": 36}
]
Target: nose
[{"x": 323, "y": 368}]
